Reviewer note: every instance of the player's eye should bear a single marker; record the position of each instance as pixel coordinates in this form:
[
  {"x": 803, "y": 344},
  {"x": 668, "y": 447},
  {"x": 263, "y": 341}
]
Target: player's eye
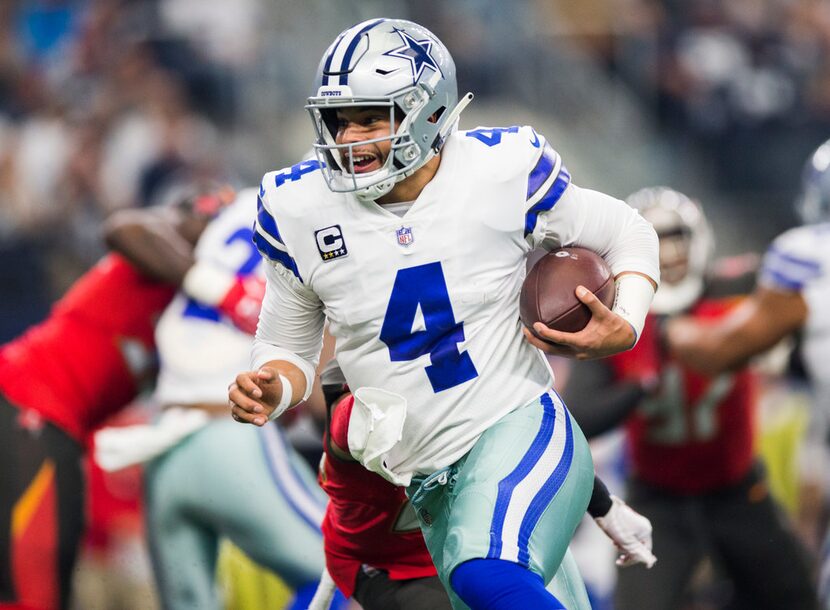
[{"x": 373, "y": 118}]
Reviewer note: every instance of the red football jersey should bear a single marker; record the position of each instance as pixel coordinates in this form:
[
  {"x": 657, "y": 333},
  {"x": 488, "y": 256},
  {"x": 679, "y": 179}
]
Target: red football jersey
[
  {"x": 90, "y": 356},
  {"x": 696, "y": 435},
  {"x": 368, "y": 520}
]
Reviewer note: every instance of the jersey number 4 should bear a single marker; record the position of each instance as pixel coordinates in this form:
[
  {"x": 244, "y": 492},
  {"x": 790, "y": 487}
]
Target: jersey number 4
[{"x": 423, "y": 289}]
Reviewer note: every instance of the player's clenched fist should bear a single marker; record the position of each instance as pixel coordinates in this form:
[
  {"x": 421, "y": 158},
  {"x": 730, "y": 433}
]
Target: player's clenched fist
[{"x": 255, "y": 396}]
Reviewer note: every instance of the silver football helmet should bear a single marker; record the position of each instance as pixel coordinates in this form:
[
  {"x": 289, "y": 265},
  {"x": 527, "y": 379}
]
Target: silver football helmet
[
  {"x": 813, "y": 202},
  {"x": 387, "y": 63},
  {"x": 687, "y": 246}
]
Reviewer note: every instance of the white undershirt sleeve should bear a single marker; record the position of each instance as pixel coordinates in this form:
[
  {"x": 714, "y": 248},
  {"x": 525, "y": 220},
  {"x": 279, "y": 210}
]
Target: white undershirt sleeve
[
  {"x": 601, "y": 223},
  {"x": 290, "y": 324}
]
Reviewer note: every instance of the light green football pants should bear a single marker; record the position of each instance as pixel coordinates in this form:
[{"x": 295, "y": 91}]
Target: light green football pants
[
  {"x": 518, "y": 495},
  {"x": 240, "y": 482}
]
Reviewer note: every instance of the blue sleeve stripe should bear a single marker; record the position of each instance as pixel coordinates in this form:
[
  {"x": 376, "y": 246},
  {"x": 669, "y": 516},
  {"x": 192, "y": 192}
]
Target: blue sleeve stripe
[
  {"x": 548, "y": 200},
  {"x": 266, "y": 222},
  {"x": 790, "y": 267},
  {"x": 278, "y": 256},
  {"x": 776, "y": 278},
  {"x": 544, "y": 168},
  {"x": 792, "y": 272},
  {"x": 794, "y": 260}
]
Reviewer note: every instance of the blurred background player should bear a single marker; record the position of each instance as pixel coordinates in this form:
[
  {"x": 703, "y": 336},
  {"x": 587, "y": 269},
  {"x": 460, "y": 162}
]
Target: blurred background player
[
  {"x": 210, "y": 479},
  {"x": 694, "y": 470},
  {"x": 791, "y": 297},
  {"x": 64, "y": 377},
  {"x": 375, "y": 551}
]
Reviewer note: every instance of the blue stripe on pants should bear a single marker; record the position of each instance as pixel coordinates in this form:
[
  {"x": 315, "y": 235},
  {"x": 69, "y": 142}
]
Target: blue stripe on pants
[{"x": 509, "y": 483}]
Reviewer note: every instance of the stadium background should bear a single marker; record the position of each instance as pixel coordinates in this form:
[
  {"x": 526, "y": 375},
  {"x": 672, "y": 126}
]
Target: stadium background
[{"x": 113, "y": 103}]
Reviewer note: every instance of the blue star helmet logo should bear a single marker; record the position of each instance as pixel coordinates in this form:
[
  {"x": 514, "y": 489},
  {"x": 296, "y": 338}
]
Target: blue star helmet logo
[{"x": 417, "y": 53}]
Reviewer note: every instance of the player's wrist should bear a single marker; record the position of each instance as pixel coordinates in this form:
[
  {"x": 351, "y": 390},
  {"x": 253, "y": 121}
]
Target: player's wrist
[
  {"x": 286, "y": 398},
  {"x": 632, "y": 301},
  {"x": 207, "y": 283},
  {"x": 600, "y": 503}
]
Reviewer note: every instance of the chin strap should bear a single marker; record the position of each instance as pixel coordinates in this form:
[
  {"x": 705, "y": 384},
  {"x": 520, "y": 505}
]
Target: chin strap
[
  {"x": 376, "y": 191},
  {"x": 449, "y": 124}
]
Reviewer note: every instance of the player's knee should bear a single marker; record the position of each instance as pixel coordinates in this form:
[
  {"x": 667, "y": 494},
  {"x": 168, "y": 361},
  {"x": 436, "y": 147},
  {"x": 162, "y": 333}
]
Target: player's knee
[{"x": 495, "y": 584}]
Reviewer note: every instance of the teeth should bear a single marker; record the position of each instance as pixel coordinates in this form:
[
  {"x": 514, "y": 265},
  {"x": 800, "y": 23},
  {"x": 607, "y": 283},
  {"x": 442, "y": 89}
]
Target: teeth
[{"x": 361, "y": 158}]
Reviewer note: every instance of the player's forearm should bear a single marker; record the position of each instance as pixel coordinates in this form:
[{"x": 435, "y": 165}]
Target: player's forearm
[
  {"x": 597, "y": 401},
  {"x": 290, "y": 326},
  {"x": 600, "y": 502},
  {"x": 707, "y": 349},
  {"x": 753, "y": 327},
  {"x": 597, "y": 414},
  {"x": 149, "y": 240}
]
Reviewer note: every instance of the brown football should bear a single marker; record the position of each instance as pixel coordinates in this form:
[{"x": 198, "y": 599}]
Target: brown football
[{"x": 548, "y": 291}]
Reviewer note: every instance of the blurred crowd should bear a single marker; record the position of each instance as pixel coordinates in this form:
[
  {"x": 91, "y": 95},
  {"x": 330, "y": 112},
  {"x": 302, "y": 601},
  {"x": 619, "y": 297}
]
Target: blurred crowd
[
  {"x": 112, "y": 103},
  {"x": 104, "y": 104},
  {"x": 747, "y": 81}
]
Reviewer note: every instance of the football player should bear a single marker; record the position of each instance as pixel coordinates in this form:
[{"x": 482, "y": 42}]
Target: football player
[
  {"x": 793, "y": 283},
  {"x": 66, "y": 375},
  {"x": 694, "y": 472},
  {"x": 411, "y": 237},
  {"x": 199, "y": 462}
]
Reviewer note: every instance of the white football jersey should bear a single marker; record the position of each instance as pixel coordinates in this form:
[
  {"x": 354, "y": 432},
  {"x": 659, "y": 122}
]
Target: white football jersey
[
  {"x": 426, "y": 305},
  {"x": 799, "y": 260},
  {"x": 200, "y": 350}
]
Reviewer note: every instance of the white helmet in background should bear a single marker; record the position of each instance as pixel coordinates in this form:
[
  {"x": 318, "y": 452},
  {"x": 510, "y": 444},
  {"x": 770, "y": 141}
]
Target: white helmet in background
[
  {"x": 387, "y": 63},
  {"x": 686, "y": 246},
  {"x": 813, "y": 202}
]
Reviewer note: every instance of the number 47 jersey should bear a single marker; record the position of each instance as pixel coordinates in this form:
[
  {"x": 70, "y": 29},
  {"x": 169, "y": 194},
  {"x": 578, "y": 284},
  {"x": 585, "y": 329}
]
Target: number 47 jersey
[{"x": 426, "y": 305}]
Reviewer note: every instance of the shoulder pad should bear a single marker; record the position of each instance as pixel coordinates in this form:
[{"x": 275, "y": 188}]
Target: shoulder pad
[
  {"x": 521, "y": 150},
  {"x": 284, "y": 195},
  {"x": 292, "y": 189}
]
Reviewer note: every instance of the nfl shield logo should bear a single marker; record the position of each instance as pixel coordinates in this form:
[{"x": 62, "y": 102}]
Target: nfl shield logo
[{"x": 404, "y": 236}]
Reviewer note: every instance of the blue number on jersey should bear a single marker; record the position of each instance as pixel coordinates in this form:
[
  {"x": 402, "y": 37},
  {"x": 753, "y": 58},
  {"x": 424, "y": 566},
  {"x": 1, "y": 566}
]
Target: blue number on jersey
[
  {"x": 491, "y": 135},
  {"x": 425, "y": 286},
  {"x": 195, "y": 309},
  {"x": 295, "y": 172}
]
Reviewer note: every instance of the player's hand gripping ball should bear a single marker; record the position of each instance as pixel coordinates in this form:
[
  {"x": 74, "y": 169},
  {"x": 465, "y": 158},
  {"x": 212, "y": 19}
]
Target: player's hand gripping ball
[{"x": 548, "y": 293}]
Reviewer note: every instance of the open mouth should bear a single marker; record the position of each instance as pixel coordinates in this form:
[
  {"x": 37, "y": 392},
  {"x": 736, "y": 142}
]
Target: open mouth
[{"x": 363, "y": 163}]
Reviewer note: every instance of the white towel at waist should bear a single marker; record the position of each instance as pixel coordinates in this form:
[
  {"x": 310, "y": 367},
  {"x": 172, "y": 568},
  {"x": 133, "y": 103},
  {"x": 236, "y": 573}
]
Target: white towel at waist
[{"x": 375, "y": 427}]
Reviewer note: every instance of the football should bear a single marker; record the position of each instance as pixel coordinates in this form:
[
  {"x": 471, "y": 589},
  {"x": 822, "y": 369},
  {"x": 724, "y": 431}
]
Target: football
[{"x": 548, "y": 290}]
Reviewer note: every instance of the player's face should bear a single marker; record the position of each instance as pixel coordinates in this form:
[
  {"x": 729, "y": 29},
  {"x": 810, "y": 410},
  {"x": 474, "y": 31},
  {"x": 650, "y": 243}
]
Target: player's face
[
  {"x": 358, "y": 125},
  {"x": 674, "y": 257}
]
